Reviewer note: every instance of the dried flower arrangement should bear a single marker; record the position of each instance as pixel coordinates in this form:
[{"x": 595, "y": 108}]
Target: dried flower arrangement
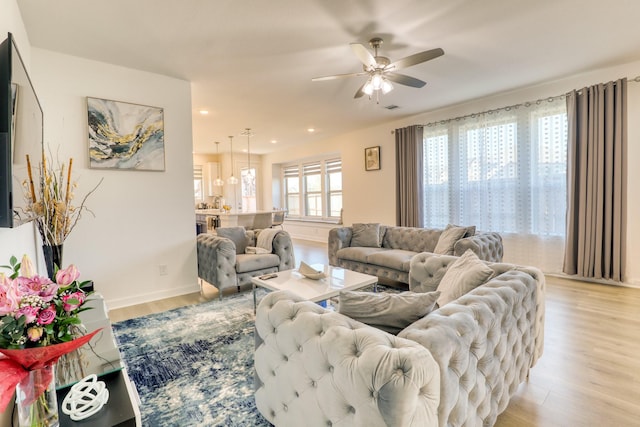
[{"x": 50, "y": 199}]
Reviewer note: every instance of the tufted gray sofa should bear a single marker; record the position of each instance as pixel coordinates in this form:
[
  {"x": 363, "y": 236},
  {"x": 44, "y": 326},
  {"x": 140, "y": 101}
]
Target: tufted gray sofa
[
  {"x": 219, "y": 265},
  {"x": 457, "y": 366},
  {"x": 399, "y": 246}
]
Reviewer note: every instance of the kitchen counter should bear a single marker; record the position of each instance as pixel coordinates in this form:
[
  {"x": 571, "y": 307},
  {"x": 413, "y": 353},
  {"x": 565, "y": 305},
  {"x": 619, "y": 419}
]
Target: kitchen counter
[{"x": 249, "y": 220}]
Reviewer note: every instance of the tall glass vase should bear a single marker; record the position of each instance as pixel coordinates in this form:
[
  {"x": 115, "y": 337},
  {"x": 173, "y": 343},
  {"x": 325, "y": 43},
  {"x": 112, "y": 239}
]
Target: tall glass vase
[
  {"x": 36, "y": 399},
  {"x": 52, "y": 257}
]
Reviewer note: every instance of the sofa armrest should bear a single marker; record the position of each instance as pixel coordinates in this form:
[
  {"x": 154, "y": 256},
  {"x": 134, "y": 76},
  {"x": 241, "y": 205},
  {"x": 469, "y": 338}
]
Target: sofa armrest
[
  {"x": 283, "y": 247},
  {"x": 338, "y": 238},
  {"x": 488, "y": 246},
  {"x": 216, "y": 260},
  {"x": 315, "y": 368},
  {"x": 484, "y": 342}
]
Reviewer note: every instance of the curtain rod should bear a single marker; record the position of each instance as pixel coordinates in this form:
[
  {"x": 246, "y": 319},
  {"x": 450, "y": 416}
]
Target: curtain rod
[{"x": 509, "y": 107}]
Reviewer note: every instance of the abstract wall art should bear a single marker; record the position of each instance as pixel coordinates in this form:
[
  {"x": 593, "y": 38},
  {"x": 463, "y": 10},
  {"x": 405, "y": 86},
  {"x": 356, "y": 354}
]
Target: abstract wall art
[{"x": 125, "y": 136}]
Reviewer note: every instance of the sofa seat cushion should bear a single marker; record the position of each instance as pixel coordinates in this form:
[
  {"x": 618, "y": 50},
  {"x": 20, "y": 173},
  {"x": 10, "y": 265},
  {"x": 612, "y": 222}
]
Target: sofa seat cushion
[
  {"x": 358, "y": 254},
  {"x": 398, "y": 259},
  {"x": 252, "y": 262}
]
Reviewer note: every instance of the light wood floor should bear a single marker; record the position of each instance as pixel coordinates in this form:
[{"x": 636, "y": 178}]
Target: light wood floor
[{"x": 589, "y": 374}]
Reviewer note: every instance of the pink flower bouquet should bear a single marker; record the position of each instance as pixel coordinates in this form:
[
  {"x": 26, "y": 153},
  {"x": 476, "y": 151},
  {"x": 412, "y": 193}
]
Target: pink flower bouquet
[{"x": 37, "y": 317}]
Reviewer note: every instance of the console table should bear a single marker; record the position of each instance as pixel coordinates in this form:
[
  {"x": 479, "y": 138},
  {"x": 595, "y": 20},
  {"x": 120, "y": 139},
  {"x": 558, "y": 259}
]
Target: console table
[{"x": 103, "y": 359}]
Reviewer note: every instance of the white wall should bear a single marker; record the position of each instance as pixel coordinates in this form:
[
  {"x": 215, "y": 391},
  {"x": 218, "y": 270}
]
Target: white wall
[
  {"x": 370, "y": 196},
  {"x": 21, "y": 240},
  {"x": 142, "y": 219}
]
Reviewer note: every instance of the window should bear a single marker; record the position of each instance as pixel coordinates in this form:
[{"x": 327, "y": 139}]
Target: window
[
  {"x": 313, "y": 190},
  {"x": 334, "y": 179},
  {"x": 503, "y": 171},
  {"x": 198, "y": 183},
  {"x": 292, "y": 190},
  {"x": 248, "y": 189}
]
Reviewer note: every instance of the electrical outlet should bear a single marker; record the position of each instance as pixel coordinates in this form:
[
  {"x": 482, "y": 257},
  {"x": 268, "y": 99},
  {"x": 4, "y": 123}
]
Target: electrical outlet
[{"x": 162, "y": 269}]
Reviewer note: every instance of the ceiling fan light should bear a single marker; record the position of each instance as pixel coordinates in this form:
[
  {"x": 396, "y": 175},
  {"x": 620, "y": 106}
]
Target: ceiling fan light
[
  {"x": 368, "y": 88},
  {"x": 376, "y": 81},
  {"x": 386, "y": 86}
]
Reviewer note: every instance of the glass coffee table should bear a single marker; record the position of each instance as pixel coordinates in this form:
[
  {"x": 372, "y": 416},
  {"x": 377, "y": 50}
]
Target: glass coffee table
[{"x": 337, "y": 279}]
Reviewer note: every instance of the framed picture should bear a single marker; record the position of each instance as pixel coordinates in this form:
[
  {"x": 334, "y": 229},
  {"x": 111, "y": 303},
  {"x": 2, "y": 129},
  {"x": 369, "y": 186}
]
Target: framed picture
[
  {"x": 125, "y": 136},
  {"x": 372, "y": 158}
]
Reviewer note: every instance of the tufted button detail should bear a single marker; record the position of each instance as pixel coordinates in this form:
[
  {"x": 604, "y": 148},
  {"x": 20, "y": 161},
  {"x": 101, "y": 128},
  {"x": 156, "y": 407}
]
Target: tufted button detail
[
  {"x": 285, "y": 408},
  {"x": 331, "y": 369},
  {"x": 285, "y": 358},
  {"x": 351, "y": 409},
  {"x": 296, "y": 394},
  {"x": 273, "y": 413},
  {"x": 300, "y": 348},
  {"x": 329, "y": 423}
]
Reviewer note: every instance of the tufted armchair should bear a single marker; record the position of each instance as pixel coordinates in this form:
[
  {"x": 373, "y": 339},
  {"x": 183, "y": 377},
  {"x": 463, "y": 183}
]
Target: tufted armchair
[
  {"x": 457, "y": 366},
  {"x": 223, "y": 262}
]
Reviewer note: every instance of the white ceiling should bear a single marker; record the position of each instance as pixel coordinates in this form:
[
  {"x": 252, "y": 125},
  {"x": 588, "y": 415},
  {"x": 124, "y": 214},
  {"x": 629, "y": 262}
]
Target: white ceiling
[{"x": 251, "y": 61}]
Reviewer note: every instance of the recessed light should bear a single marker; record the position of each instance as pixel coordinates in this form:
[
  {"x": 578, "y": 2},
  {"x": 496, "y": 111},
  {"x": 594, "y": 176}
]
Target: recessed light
[
  {"x": 311, "y": 130},
  {"x": 204, "y": 112},
  {"x": 273, "y": 141}
]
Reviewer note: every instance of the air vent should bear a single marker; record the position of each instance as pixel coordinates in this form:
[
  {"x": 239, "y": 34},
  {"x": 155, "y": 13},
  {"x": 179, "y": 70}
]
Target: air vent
[{"x": 391, "y": 107}]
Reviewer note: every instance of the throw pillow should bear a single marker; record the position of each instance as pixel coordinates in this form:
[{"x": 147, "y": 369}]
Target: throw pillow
[
  {"x": 448, "y": 239},
  {"x": 237, "y": 235},
  {"x": 389, "y": 312},
  {"x": 466, "y": 273},
  {"x": 366, "y": 235},
  {"x": 469, "y": 231}
]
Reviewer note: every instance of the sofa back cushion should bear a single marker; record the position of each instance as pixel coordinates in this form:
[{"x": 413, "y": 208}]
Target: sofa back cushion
[
  {"x": 411, "y": 238},
  {"x": 366, "y": 235},
  {"x": 237, "y": 235}
]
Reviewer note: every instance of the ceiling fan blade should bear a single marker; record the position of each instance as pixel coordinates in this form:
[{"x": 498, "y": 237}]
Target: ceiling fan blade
[
  {"x": 363, "y": 55},
  {"x": 415, "y": 59},
  {"x": 337, "y": 76},
  {"x": 360, "y": 91},
  {"x": 405, "y": 80}
]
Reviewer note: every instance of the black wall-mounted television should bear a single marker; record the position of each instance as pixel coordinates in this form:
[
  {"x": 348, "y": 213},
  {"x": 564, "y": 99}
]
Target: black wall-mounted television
[{"x": 21, "y": 134}]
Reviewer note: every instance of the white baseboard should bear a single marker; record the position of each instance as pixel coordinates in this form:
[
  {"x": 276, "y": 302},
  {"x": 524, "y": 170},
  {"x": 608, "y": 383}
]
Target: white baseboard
[{"x": 151, "y": 296}]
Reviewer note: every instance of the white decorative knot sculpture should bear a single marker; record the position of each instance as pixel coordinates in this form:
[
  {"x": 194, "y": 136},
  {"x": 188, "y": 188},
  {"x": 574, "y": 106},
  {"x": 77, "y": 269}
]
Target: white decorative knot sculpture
[{"x": 85, "y": 398}]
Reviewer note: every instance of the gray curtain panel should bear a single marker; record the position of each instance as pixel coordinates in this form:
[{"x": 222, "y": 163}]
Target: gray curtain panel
[
  {"x": 409, "y": 186},
  {"x": 597, "y": 182}
]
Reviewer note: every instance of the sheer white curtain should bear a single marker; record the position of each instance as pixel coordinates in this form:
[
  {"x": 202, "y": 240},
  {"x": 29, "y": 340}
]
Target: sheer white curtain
[{"x": 504, "y": 171}]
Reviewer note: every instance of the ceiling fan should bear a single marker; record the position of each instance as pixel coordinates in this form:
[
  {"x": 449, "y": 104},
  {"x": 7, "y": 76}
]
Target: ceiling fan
[{"x": 382, "y": 71}]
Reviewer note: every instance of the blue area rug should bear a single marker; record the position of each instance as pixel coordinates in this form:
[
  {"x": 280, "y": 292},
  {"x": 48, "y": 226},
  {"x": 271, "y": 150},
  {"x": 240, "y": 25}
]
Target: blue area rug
[{"x": 193, "y": 366}]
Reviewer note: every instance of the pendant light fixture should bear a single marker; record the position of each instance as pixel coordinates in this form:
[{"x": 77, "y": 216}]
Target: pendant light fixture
[
  {"x": 232, "y": 179},
  {"x": 218, "y": 182},
  {"x": 247, "y": 131}
]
